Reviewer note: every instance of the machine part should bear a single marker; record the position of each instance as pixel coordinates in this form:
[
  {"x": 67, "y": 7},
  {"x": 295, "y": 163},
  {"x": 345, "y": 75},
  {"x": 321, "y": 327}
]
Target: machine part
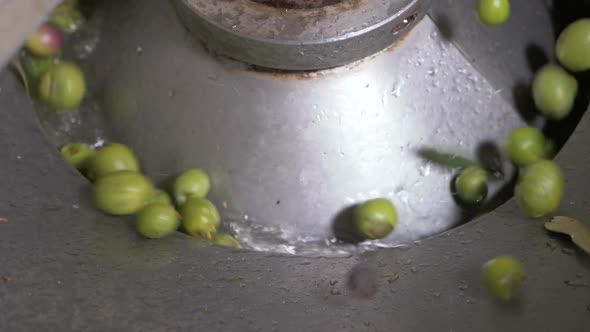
[
  {"x": 300, "y": 35},
  {"x": 289, "y": 154},
  {"x": 64, "y": 266}
]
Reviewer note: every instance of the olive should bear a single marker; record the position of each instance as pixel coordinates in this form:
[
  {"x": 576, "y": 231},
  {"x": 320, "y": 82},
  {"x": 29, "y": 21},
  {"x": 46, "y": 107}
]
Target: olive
[
  {"x": 540, "y": 188},
  {"x": 503, "y": 277},
  {"x": 47, "y": 41},
  {"x": 549, "y": 148},
  {"x": 63, "y": 86},
  {"x": 526, "y": 145},
  {"x": 573, "y": 46},
  {"x": 226, "y": 240},
  {"x": 200, "y": 217},
  {"x": 35, "y": 67},
  {"x": 376, "y": 218},
  {"x": 363, "y": 280},
  {"x": 192, "y": 183},
  {"x": 113, "y": 157},
  {"x": 493, "y": 12},
  {"x": 160, "y": 196},
  {"x": 67, "y": 17},
  {"x": 77, "y": 154},
  {"x": 157, "y": 220},
  {"x": 122, "y": 193},
  {"x": 472, "y": 185},
  {"x": 554, "y": 91}
]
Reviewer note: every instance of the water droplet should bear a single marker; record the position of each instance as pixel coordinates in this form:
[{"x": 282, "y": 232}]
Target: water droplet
[
  {"x": 396, "y": 90},
  {"x": 424, "y": 170}
]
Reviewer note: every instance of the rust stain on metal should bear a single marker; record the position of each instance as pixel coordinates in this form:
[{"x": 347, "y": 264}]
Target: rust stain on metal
[
  {"x": 316, "y": 74},
  {"x": 298, "y": 4}
]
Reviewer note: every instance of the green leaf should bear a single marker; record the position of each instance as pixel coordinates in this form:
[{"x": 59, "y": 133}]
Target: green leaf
[
  {"x": 450, "y": 160},
  {"x": 23, "y": 75}
]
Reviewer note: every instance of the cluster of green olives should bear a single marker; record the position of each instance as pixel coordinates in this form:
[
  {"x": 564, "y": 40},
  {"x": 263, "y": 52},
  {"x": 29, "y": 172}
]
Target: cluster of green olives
[
  {"x": 121, "y": 189},
  {"x": 58, "y": 83},
  {"x": 540, "y": 186}
]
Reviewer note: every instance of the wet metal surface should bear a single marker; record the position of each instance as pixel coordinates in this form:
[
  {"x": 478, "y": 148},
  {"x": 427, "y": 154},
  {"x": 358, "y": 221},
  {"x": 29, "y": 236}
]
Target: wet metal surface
[
  {"x": 287, "y": 156},
  {"x": 66, "y": 267}
]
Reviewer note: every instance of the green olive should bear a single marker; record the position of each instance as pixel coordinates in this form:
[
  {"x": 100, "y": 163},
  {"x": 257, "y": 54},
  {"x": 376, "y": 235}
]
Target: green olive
[
  {"x": 573, "y": 46},
  {"x": 503, "y": 277},
  {"x": 35, "y": 67},
  {"x": 122, "y": 193},
  {"x": 493, "y": 12},
  {"x": 540, "y": 188},
  {"x": 160, "y": 196},
  {"x": 192, "y": 183},
  {"x": 376, "y": 218},
  {"x": 63, "y": 86},
  {"x": 113, "y": 157},
  {"x": 549, "y": 148},
  {"x": 77, "y": 154},
  {"x": 200, "y": 217},
  {"x": 67, "y": 17},
  {"x": 157, "y": 220},
  {"x": 472, "y": 185},
  {"x": 554, "y": 91},
  {"x": 526, "y": 145},
  {"x": 226, "y": 240}
]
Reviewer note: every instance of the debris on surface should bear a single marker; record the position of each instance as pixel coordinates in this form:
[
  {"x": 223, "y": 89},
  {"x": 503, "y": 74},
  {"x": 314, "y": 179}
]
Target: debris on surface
[
  {"x": 3, "y": 220},
  {"x": 363, "y": 280},
  {"x": 392, "y": 279},
  {"x": 6, "y": 279},
  {"x": 578, "y": 232},
  {"x": 575, "y": 284}
]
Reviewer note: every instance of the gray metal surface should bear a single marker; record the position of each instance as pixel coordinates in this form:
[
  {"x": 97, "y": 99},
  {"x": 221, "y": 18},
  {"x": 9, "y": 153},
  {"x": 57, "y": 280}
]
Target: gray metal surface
[
  {"x": 18, "y": 19},
  {"x": 66, "y": 267},
  {"x": 289, "y": 152},
  {"x": 507, "y": 55},
  {"x": 300, "y": 39}
]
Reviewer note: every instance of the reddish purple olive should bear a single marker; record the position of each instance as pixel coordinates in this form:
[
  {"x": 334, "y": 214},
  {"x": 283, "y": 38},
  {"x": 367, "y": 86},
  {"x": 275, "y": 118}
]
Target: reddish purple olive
[{"x": 46, "y": 41}]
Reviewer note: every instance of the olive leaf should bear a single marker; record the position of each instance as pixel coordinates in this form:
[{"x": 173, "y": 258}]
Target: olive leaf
[
  {"x": 21, "y": 72},
  {"x": 451, "y": 160}
]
